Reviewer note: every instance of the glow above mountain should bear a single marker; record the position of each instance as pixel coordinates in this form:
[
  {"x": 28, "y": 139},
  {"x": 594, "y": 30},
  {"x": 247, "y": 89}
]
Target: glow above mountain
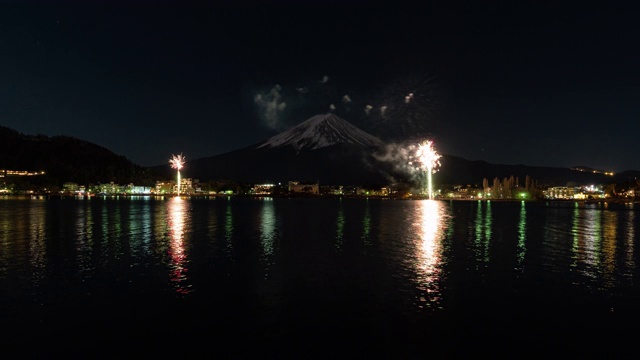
[{"x": 321, "y": 131}]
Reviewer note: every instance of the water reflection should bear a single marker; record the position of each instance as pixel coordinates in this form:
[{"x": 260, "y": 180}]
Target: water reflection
[
  {"x": 110, "y": 227},
  {"x": 590, "y": 246},
  {"x": 37, "y": 241},
  {"x": 630, "y": 240},
  {"x": 267, "y": 232},
  {"x": 140, "y": 224},
  {"x": 487, "y": 227},
  {"x": 483, "y": 230},
  {"x": 228, "y": 231},
  {"x": 366, "y": 225},
  {"x": 84, "y": 238},
  {"x": 575, "y": 231},
  {"x": 339, "y": 228},
  {"x": 432, "y": 227},
  {"x": 522, "y": 235},
  {"x": 596, "y": 248},
  {"x": 608, "y": 247},
  {"x": 177, "y": 218}
]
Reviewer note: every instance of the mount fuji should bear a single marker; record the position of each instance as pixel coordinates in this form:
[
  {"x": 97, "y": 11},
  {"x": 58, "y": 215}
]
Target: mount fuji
[
  {"x": 325, "y": 148},
  {"x": 322, "y": 131}
]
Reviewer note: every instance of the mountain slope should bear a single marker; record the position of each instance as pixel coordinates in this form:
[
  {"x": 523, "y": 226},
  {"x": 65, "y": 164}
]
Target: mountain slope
[{"x": 321, "y": 131}]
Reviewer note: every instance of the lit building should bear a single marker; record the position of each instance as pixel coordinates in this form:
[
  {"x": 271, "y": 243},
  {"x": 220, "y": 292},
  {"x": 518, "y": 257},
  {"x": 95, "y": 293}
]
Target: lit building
[
  {"x": 108, "y": 189},
  {"x": 262, "y": 189},
  {"x": 165, "y": 187},
  {"x": 297, "y": 187},
  {"x": 5, "y": 173},
  {"x": 559, "y": 192},
  {"x": 70, "y": 187}
]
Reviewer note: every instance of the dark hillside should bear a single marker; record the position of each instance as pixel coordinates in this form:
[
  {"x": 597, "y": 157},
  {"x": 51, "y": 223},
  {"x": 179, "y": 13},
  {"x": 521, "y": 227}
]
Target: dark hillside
[{"x": 65, "y": 159}]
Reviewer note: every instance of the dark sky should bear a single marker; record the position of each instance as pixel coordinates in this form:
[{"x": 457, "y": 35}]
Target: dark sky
[{"x": 535, "y": 83}]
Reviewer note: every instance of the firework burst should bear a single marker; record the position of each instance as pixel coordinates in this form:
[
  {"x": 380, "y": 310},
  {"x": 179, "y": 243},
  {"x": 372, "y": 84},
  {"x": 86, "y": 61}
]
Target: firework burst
[
  {"x": 426, "y": 160},
  {"x": 177, "y": 162},
  {"x": 427, "y": 157}
]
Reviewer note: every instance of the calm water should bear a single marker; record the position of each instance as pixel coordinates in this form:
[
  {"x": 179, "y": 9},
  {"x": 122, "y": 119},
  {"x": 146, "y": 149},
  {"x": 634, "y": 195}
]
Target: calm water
[{"x": 316, "y": 278}]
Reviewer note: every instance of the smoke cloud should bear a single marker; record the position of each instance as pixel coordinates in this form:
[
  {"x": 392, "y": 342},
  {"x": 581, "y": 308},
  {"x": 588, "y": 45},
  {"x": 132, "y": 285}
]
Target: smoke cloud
[
  {"x": 271, "y": 105},
  {"x": 399, "y": 156},
  {"x": 367, "y": 109}
]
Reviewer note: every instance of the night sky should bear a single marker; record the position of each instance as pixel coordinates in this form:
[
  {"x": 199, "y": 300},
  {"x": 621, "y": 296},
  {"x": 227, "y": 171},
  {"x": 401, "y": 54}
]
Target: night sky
[{"x": 534, "y": 83}]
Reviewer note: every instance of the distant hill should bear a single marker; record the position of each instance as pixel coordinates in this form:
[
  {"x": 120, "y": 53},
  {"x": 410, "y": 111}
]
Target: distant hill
[
  {"x": 456, "y": 170},
  {"x": 330, "y": 150},
  {"x": 65, "y": 158}
]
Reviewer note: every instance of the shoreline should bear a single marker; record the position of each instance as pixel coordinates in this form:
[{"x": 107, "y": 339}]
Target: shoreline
[{"x": 313, "y": 196}]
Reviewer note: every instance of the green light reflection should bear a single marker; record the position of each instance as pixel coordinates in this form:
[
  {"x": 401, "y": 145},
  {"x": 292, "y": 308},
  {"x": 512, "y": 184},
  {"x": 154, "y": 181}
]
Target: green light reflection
[
  {"x": 483, "y": 230},
  {"x": 522, "y": 235}
]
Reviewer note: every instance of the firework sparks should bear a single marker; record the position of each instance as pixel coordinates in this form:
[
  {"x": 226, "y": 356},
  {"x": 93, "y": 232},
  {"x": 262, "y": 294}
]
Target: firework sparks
[
  {"x": 427, "y": 160},
  {"x": 177, "y": 162}
]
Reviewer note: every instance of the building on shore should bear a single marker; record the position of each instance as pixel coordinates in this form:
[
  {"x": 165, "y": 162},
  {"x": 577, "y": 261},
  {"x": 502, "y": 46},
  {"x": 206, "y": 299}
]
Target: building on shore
[{"x": 304, "y": 188}]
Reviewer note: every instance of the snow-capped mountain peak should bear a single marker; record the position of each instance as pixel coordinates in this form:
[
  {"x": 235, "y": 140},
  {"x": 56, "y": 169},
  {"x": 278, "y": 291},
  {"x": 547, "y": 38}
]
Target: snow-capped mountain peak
[{"x": 320, "y": 131}]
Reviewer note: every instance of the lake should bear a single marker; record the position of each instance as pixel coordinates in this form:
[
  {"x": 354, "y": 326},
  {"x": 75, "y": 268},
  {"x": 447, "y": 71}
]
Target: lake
[{"x": 233, "y": 277}]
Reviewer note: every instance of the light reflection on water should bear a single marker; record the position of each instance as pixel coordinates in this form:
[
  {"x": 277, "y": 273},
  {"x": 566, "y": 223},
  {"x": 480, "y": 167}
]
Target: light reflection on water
[
  {"x": 629, "y": 230},
  {"x": 483, "y": 231},
  {"x": 228, "y": 231},
  {"x": 522, "y": 236},
  {"x": 37, "y": 243},
  {"x": 267, "y": 233},
  {"x": 366, "y": 224},
  {"x": 339, "y": 238},
  {"x": 84, "y": 239},
  {"x": 432, "y": 222},
  {"x": 600, "y": 254},
  {"x": 177, "y": 217}
]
